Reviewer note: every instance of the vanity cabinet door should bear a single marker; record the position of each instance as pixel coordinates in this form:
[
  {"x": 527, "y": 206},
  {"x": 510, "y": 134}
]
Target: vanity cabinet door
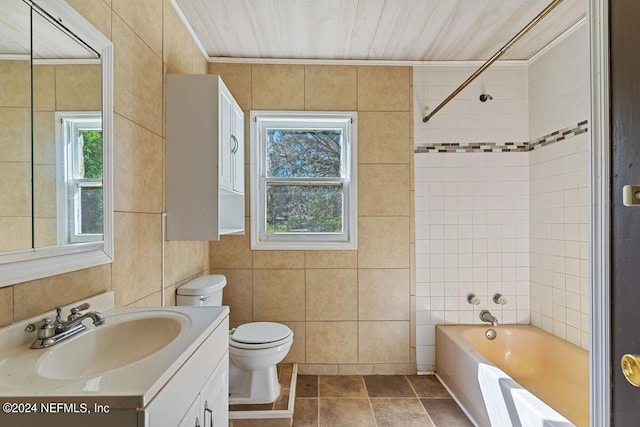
[
  {"x": 192, "y": 418},
  {"x": 215, "y": 396}
]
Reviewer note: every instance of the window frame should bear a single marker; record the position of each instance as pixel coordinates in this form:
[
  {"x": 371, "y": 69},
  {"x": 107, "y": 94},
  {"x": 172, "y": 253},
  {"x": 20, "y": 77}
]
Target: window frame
[
  {"x": 261, "y": 121},
  {"x": 68, "y": 187}
]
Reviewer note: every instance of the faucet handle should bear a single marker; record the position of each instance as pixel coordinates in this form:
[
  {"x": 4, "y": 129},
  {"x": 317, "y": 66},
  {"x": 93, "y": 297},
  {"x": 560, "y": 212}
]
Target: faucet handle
[
  {"x": 499, "y": 299},
  {"x": 81, "y": 307},
  {"x": 473, "y": 299}
]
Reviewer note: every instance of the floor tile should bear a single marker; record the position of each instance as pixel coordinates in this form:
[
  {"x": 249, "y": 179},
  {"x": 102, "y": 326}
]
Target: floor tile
[
  {"x": 307, "y": 386},
  {"x": 445, "y": 413},
  {"x": 428, "y": 386},
  {"x": 306, "y": 413},
  {"x": 345, "y": 412},
  {"x": 341, "y": 386},
  {"x": 396, "y": 412},
  {"x": 388, "y": 386}
]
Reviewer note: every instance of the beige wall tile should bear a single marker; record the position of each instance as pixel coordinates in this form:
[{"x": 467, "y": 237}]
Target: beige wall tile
[
  {"x": 383, "y": 190},
  {"x": 78, "y": 87},
  {"x": 138, "y": 168},
  {"x": 383, "y": 137},
  {"x": 356, "y": 369},
  {"x": 177, "y": 43},
  {"x": 136, "y": 268},
  {"x": 278, "y": 295},
  {"x": 16, "y": 183},
  {"x": 238, "y": 294},
  {"x": 97, "y": 13},
  {"x": 138, "y": 79},
  {"x": 383, "y": 242},
  {"x": 332, "y": 342},
  {"x": 44, "y": 88},
  {"x": 297, "y": 351},
  {"x": 44, "y": 137},
  {"x": 383, "y": 294},
  {"x": 331, "y": 259},
  {"x": 15, "y": 83},
  {"x": 278, "y": 259},
  {"x": 383, "y": 342},
  {"x": 14, "y": 140},
  {"x": 332, "y": 294},
  {"x": 6, "y": 306},
  {"x": 184, "y": 260},
  {"x": 43, "y": 295},
  {"x": 199, "y": 63},
  {"x": 384, "y": 88},
  {"x": 237, "y": 78},
  {"x": 153, "y": 300},
  {"x": 232, "y": 251},
  {"x": 145, "y": 18},
  {"x": 16, "y": 231},
  {"x": 44, "y": 191},
  {"x": 277, "y": 87},
  {"x": 330, "y": 87}
]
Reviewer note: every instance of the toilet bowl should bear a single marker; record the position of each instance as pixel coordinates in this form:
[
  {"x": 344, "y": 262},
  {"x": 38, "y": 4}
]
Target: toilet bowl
[{"x": 254, "y": 348}]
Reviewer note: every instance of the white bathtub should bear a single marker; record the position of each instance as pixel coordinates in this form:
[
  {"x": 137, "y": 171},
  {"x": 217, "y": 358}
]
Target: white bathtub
[{"x": 525, "y": 373}]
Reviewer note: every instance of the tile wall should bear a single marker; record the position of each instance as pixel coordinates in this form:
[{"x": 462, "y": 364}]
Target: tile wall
[
  {"x": 501, "y": 195},
  {"x": 351, "y": 311},
  {"x": 559, "y": 187},
  {"x": 149, "y": 41}
]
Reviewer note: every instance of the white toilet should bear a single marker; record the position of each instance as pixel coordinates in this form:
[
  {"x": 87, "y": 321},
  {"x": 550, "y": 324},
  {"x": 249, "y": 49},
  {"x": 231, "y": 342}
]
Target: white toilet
[{"x": 254, "y": 348}]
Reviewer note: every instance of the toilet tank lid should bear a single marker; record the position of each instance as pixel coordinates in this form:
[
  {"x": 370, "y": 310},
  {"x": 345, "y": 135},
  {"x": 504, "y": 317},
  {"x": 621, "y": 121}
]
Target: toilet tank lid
[{"x": 203, "y": 285}]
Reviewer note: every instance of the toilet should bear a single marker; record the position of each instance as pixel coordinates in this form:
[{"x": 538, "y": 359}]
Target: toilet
[{"x": 254, "y": 348}]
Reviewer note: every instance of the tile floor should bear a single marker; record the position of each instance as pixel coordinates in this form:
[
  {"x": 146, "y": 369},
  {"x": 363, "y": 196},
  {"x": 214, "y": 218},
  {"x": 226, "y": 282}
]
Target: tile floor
[{"x": 375, "y": 401}]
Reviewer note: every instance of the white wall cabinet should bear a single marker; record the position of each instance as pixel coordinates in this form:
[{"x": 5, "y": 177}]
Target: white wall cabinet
[{"x": 204, "y": 159}]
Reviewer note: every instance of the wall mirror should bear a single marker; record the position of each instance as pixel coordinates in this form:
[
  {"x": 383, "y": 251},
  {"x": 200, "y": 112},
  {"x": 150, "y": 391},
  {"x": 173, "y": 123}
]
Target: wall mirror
[{"x": 55, "y": 141}]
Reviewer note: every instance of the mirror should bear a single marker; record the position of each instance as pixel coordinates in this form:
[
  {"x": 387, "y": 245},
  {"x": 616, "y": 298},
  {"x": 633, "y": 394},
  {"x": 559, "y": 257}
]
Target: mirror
[{"x": 55, "y": 141}]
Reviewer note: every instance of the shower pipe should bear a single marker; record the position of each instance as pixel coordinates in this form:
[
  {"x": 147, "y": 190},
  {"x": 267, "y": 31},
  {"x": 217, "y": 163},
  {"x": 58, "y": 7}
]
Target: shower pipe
[{"x": 495, "y": 57}]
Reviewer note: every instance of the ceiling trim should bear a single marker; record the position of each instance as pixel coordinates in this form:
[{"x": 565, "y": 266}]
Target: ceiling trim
[
  {"x": 301, "y": 61},
  {"x": 553, "y": 43},
  {"x": 186, "y": 23}
]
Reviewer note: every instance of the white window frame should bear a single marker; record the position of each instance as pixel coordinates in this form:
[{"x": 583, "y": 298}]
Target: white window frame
[
  {"x": 263, "y": 120},
  {"x": 68, "y": 126}
]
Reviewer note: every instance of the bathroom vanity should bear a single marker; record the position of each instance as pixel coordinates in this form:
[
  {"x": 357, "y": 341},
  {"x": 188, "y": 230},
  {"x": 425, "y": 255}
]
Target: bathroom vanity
[{"x": 143, "y": 367}]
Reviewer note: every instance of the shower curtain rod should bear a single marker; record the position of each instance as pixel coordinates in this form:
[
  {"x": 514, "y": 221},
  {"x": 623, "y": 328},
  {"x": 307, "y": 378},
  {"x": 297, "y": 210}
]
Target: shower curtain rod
[{"x": 495, "y": 57}]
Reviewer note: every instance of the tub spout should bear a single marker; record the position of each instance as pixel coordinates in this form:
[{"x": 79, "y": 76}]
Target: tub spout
[{"x": 486, "y": 316}]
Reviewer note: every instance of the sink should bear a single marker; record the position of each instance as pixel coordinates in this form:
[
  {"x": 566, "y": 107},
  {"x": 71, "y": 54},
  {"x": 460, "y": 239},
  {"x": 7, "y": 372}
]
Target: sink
[{"x": 108, "y": 347}]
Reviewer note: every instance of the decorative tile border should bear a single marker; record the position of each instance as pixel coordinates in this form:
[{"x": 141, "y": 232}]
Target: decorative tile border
[{"x": 507, "y": 147}]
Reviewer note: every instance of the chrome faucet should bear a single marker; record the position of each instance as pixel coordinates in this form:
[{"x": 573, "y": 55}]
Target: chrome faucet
[
  {"x": 486, "y": 316},
  {"x": 51, "y": 332}
]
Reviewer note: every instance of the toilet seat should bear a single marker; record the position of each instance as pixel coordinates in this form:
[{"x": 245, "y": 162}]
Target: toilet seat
[{"x": 259, "y": 335}]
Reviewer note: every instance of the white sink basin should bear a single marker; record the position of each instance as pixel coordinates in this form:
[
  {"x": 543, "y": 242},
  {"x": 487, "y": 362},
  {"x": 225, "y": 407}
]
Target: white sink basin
[
  {"x": 108, "y": 347},
  {"x": 132, "y": 355}
]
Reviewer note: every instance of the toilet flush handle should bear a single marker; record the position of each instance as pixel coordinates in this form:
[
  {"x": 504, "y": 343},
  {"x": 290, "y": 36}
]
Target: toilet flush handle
[{"x": 203, "y": 298}]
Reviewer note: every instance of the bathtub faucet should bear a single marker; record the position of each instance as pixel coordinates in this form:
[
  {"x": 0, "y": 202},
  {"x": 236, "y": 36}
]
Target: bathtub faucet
[{"x": 486, "y": 316}]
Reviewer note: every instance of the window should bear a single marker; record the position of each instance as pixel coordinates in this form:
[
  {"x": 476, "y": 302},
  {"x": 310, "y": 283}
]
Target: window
[
  {"x": 79, "y": 177},
  {"x": 303, "y": 186}
]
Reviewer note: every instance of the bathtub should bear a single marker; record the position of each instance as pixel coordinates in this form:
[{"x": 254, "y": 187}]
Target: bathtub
[{"x": 523, "y": 374}]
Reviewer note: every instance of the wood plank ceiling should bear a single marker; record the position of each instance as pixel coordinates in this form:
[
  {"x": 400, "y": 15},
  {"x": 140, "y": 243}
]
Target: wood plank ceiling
[{"x": 392, "y": 30}]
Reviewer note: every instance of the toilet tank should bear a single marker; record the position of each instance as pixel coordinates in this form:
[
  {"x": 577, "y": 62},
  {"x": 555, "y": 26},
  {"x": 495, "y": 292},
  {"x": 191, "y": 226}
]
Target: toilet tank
[{"x": 202, "y": 291}]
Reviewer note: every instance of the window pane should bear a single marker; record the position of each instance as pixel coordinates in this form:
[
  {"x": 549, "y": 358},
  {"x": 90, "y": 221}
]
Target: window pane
[
  {"x": 304, "y": 209},
  {"x": 308, "y": 153},
  {"x": 92, "y": 154},
  {"x": 91, "y": 210}
]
